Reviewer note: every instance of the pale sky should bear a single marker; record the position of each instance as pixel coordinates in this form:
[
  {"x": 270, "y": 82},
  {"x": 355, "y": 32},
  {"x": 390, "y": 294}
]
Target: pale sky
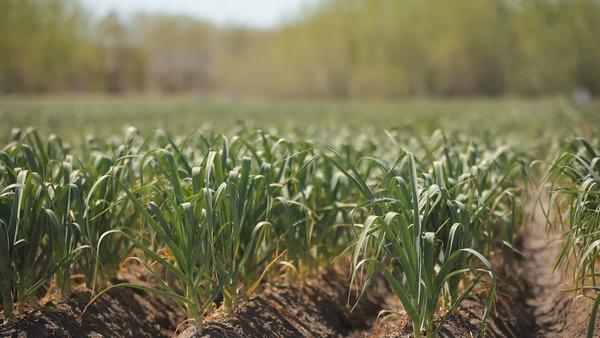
[{"x": 258, "y": 13}]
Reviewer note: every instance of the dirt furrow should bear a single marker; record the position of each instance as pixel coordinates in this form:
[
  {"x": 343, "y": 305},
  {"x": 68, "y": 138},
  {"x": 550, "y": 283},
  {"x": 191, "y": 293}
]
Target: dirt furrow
[
  {"x": 545, "y": 303},
  {"x": 552, "y": 310}
]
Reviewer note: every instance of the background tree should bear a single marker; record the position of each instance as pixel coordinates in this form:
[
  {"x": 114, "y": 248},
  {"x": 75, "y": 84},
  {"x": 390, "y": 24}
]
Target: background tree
[{"x": 335, "y": 49}]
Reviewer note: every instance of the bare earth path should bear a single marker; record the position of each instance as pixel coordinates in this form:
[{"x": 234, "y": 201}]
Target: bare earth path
[{"x": 553, "y": 311}]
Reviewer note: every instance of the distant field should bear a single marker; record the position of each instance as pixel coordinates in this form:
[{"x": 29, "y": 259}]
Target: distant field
[{"x": 73, "y": 118}]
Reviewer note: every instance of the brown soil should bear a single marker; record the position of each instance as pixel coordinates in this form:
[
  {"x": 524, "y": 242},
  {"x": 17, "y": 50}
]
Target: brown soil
[
  {"x": 556, "y": 312},
  {"x": 507, "y": 319},
  {"x": 316, "y": 309},
  {"x": 120, "y": 313}
]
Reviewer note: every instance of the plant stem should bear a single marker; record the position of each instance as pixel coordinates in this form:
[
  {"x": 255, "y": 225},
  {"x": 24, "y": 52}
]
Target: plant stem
[
  {"x": 196, "y": 316},
  {"x": 429, "y": 328},
  {"x": 416, "y": 330},
  {"x": 7, "y": 304}
]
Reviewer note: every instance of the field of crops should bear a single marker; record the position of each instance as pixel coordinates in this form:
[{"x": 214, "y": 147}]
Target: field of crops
[{"x": 317, "y": 219}]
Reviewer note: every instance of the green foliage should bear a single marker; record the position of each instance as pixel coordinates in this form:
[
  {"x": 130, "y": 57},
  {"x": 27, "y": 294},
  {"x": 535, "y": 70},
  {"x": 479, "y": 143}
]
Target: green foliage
[
  {"x": 429, "y": 224},
  {"x": 576, "y": 184},
  {"x": 575, "y": 191},
  {"x": 39, "y": 240},
  {"x": 209, "y": 216}
]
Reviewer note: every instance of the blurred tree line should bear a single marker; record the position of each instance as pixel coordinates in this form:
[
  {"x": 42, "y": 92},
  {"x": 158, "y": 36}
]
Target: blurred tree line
[{"x": 339, "y": 48}]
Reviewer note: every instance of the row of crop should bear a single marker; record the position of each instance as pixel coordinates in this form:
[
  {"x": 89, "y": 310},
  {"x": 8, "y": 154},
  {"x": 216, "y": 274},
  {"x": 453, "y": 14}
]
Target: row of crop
[
  {"x": 574, "y": 180},
  {"x": 213, "y": 213},
  {"x": 430, "y": 226},
  {"x": 209, "y": 216}
]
